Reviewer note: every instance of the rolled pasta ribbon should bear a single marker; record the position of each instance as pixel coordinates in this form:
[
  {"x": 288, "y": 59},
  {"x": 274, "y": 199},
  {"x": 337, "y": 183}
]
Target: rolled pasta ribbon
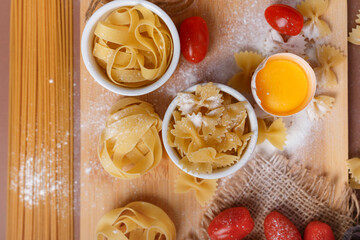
[
  {"x": 136, "y": 221},
  {"x": 130, "y": 145},
  {"x": 134, "y": 46}
]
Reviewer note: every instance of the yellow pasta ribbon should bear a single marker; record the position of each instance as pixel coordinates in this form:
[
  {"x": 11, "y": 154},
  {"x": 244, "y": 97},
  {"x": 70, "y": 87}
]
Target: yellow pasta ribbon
[
  {"x": 328, "y": 57},
  {"x": 130, "y": 145},
  {"x": 136, "y": 221},
  {"x": 275, "y": 134},
  {"x": 133, "y": 46},
  {"x": 204, "y": 188},
  {"x": 247, "y": 62}
]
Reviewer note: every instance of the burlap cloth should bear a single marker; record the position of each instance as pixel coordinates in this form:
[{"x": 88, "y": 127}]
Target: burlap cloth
[{"x": 264, "y": 185}]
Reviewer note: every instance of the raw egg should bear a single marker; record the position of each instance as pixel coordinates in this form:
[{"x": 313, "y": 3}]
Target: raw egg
[{"x": 283, "y": 84}]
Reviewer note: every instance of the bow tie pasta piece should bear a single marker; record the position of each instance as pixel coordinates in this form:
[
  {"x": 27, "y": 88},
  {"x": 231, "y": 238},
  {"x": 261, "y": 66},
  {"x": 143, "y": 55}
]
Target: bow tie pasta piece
[
  {"x": 204, "y": 188},
  {"x": 320, "y": 106},
  {"x": 354, "y": 35},
  {"x": 314, "y": 26},
  {"x": 275, "y": 134},
  {"x": 209, "y": 96},
  {"x": 136, "y": 221},
  {"x": 233, "y": 115},
  {"x": 328, "y": 58},
  {"x": 130, "y": 145},
  {"x": 207, "y": 133},
  {"x": 274, "y": 43},
  {"x": 133, "y": 46},
  {"x": 187, "y": 103},
  {"x": 245, "y": 140},
  {"x": 354, "y": 169},
  {"x": 247, "y": 62}
]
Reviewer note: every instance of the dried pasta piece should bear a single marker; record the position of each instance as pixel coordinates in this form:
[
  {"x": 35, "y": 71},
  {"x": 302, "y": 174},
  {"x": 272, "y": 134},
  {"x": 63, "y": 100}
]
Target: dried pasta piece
[
  {"x": 130, "y": 145},
  {"x": 230, "y": 142},
  {"x": 354, "y": 184},
  {"x": 275, "y": 134},
  {"x": 133, "y": 45},
  {"x": 312, "y": 10},
  {"x": 209, "y": 96},
  {"x": 233, "y": 114},
  {"x": 204, "y": 188},
  {"x": 245, "y": 140},
  {"x": 328, "y": 57},
  {"x": 210, "y": 120},
  {"x": 187, "y": 103},
  {"x": 196, "y": 167},
  {"x": 274, "y": 43},
  {"x": 247, "y": 62},
  {"x": 136, "y": 221},
  {"x": 354, "y": 168},
  {"x": 320, "y": 106},
  {"x": 354, "y": 35}
]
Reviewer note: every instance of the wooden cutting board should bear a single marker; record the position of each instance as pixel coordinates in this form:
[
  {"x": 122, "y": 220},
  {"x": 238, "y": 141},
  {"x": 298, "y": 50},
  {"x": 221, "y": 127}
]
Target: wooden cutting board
[{"x": 233, "y": 26}]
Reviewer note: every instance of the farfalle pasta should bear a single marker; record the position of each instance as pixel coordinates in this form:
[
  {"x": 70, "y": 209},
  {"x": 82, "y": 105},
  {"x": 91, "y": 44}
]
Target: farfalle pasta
[
  {"x": 354, "y": 169},
  {"x": 130, "y": 145},
  {"x": 354, "y": 35},
  {"x": 320, "y": 106},
  {"x": 133, "y": 45},
  {"x": 204, "y": 188},
  {"x": 274, "y": 43},
  {"x": 314, "y": 26},
  {"x": 208, "y": 130},
  {"x": 275, "y": 133},
  {"x": 247, "y": 62},
  {"x": 136, "y": 221},
  {"x": 328, "y": 57}
]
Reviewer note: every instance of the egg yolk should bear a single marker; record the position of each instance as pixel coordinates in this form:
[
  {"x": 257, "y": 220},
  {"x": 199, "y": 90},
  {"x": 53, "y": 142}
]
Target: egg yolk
[{"x": 282, "y": 87}]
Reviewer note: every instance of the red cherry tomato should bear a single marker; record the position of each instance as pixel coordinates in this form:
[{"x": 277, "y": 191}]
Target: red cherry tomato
[
  {"x": 317, "y": 230},
  {"x": 231, "y": 224},
  {"x": 194, "y": 39},
  {"x": 284, "y": 19}
]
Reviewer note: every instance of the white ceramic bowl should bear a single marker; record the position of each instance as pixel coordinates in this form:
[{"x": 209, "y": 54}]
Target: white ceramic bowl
[
  {"x": 223, "y": 172},
  {"x": 95, "y": 70},
  {"x": 299, "y": 60}
]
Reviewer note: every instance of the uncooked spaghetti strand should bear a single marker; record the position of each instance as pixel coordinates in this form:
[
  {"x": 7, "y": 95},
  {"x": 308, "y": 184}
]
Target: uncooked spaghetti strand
[{"x": 13, "y": 166}]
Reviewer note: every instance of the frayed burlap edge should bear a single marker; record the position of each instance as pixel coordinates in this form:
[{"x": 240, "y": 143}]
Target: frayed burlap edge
[{"x": 316, "y": 188}]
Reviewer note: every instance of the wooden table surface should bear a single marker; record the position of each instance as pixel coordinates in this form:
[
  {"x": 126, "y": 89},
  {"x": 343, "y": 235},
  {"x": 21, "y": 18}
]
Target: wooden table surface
[
  {"x": 233, "y": 26},
  {"x": 354, "y": 99}
]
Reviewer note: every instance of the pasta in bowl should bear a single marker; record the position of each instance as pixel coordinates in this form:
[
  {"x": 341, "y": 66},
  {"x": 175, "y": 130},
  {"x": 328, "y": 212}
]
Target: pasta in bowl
[
  {"x": 130, "y": 47},
  {"x": 210, "y": 131}
]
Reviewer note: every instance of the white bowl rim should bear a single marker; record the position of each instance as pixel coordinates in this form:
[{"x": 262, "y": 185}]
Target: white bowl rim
[
  {"x": 223, "y": 172},
  {"x": 297, "y": 59},
  {"x": 89, "y": 60}
]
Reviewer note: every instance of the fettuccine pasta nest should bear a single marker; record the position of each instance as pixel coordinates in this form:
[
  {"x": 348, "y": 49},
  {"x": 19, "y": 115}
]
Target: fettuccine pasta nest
[
  {"x": 130, "y": 144},
  {"x": 134, "y": 46},
  {"x": 209, "y": 129},
  {"x": 136, "y": 221}
]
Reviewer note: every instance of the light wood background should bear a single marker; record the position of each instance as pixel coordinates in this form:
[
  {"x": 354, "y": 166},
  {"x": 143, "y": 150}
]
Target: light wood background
[{"x": 100, "y": 192}]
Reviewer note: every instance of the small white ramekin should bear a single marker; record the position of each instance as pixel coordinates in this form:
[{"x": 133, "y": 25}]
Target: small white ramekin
[
  {"x": 95, "y": 70},
  {"x": 299, "y": 60},
  {"x": 223, "y": 172}
]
